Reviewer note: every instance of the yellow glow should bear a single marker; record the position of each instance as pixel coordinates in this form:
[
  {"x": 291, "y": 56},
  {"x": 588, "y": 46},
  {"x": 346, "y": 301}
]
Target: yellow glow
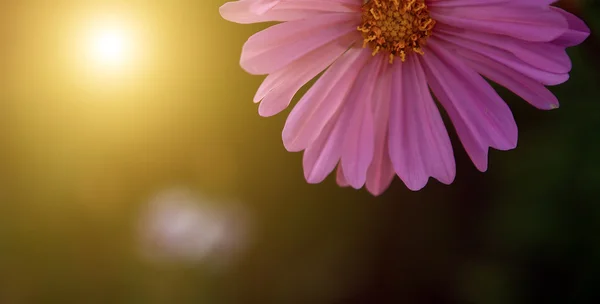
[{"x": 110, "y": 45}]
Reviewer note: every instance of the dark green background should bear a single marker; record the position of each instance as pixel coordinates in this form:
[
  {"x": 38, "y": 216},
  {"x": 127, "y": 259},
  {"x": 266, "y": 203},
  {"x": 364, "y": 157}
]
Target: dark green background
[{"x": 78, "y": 163}]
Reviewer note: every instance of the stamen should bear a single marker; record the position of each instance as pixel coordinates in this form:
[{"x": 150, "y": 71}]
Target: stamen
[{"x": 397, "y": 27}]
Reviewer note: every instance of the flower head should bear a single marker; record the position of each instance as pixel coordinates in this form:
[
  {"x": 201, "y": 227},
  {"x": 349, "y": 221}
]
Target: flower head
[{"x": 371, "y": 113}]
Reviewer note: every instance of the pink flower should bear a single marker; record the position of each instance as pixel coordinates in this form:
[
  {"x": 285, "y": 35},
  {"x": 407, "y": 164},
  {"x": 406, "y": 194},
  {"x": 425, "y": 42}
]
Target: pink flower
[{"x": 371, "y": 113}]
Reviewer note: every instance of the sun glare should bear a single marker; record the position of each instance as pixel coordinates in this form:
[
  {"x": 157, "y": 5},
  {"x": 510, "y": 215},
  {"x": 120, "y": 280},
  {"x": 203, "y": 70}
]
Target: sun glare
[{"x": 110, "y": 46}]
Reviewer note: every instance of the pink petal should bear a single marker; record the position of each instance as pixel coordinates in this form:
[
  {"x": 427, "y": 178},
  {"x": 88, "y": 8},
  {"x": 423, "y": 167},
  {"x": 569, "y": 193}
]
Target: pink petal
[
  {"x": 340, "y": 178},
  {"x": 379, "y": 181},
  {"x": 262, "y": 6},
  {"x": 526, "y": 23},
  {"x": 381, "y": 172},
  {"x": 321, "y": 157},
  {"x": 419, "y": 145},
  {"x": 280, "y": 87},
  {"x": 346, "y": 2},
  {"x": 463, "y": 3},
  {"x": 541, "y": 55},
  {"x": 359, "y": 137},
  {"x": 322, "y": 100},
  {"x": 532, "y": 91},
  {"x": 272, "y": 49},
  {"x": 577, "y": 33},
  {"x": 245, "y": 11},
  {"x": 504, "y": 58},
  {"x": 481, "y": 118},
  {"x": 534, "y": 2}
]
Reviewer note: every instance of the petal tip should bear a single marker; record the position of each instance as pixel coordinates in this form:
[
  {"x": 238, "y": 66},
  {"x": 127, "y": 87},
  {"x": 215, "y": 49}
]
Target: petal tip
[
  {"x": 414, "y": 184},
  {"x": 356, "y": 183},
  {"x": 448, "y": 179},
  {"x": 265, "y": 112},
  {"x": 376, "y": 192},
  {"x": 289, "y": 143},
  {"x": 226, "y": 13},
  {"x": 482, "y": 166},
  {"x": 311, "y": 176}
]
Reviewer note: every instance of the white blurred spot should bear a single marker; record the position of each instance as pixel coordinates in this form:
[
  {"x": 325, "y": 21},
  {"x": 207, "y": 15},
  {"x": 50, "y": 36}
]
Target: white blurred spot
[
  {"x": 111, "y": 44},
  {"x": 180, "y": 226}
]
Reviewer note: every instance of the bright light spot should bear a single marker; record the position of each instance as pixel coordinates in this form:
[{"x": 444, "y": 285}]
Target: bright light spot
[{"x": 110, "y": 45}]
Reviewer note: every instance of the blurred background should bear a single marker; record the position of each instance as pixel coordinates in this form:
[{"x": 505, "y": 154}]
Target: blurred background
[{"x": 134, "y": 168}]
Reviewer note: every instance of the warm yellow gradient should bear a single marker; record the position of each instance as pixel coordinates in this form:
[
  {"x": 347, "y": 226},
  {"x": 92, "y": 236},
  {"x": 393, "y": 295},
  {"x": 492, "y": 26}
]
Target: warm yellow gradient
[
  {"x": 110, "y": 46},
  {"x": 101, "y": 97},
  {"x": 107, "y": 42}
]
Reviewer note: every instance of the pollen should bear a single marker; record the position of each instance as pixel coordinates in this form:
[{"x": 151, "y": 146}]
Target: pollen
[{"x": 396, "y": 27}]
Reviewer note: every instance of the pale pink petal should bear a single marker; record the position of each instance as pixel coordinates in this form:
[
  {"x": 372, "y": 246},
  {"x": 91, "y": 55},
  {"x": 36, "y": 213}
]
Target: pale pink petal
[
  {"x": 523, "y": 22},
  {"x": 359, "y": 140},
  {"x": 346, "y": 2},
  {"x": 340, "y": 179},
  {"x": 349, "y": 2},
  {"x": 541, "y": 55},
  {"x": 532, "y": 91},
  {"x": 381, "y": 172},
  {"x": 321, "y": 157},
  {"x": 322, "y": 101},
  {"x": 463, "y": 3},
  {"x": 280, "y": 87},
  {"x": 505, "y": 58},
  {"x": 244, "y": 11},
  {"x": 262, "y": 6},
  {"x": 287, "y": 74},
  {"x": 419, "y": 145},
  {"x": 379, "y": 181},
  {"x": 277, "y": 46},
  {"x": 481, "y": 118}
]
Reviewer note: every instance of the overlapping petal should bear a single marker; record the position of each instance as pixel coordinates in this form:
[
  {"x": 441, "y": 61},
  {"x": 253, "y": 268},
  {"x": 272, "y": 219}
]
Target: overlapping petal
[
  {"x": 322, "y": 101},
  {"x": 322, "y": 155},
  {"x": 381, "y": 172},
  {"x": 279, "y": 88},
  {"x": 417, "y": 152},
  {"x": 276, "y": 47},
  {"x": 481, "y": 118},
  {"x": 522, "y": 22},
  {"x": 577, "y": 30},
  {"x": 251, "y": 11},
  {"x": 527, "y": 88},
  {"x": 359, "y": 140}
]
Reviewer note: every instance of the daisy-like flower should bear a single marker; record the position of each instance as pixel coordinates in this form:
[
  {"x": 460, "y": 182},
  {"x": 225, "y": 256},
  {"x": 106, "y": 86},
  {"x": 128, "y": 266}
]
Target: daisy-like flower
[{"x": 371, "y": 113}]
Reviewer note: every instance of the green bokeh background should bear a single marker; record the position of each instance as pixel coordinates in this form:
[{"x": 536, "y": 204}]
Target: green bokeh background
[{"x": 80, "y": 156}]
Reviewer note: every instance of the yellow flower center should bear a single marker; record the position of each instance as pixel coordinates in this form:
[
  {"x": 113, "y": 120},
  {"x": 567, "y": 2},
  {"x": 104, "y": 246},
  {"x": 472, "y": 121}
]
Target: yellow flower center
[{"x": 396, "y": 26}]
